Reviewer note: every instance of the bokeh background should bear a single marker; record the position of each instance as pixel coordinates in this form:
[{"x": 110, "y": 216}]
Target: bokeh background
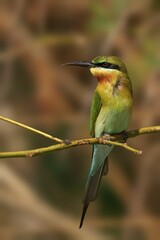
[{"x": 40, "y": 198}]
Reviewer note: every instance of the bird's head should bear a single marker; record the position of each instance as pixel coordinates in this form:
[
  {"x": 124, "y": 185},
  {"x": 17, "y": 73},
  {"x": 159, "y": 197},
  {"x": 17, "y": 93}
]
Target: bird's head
[{"x": 102, "y": 66}]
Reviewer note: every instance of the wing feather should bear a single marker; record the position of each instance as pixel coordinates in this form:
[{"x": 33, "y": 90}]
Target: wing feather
[{"x": 95, "y": 110}]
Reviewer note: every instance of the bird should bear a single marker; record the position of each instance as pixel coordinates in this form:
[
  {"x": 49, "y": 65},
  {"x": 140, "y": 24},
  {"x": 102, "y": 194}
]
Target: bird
[{"x": 110, "y": 113}]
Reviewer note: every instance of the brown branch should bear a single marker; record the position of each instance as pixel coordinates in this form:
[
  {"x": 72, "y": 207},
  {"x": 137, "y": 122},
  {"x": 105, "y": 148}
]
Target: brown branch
[
  {"x": 31, "y": 129},
  {"x": 116, "y": 140},
  {"x": 66, "y": 144}
]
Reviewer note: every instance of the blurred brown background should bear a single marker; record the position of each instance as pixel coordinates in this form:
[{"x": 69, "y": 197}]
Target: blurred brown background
[{"x": 40, "y": 198}]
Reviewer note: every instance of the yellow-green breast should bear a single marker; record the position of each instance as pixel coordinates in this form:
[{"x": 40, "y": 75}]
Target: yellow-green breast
[{"x": 115, "y": 91}]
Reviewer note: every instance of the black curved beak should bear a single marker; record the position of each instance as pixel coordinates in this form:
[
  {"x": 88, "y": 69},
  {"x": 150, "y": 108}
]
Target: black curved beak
[{"x": 79, "y": 63}]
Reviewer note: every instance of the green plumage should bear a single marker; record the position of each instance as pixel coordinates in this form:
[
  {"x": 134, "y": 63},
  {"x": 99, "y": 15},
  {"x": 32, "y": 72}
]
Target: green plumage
[
  {"x": 95, "y": 109},
  {"x": 110, "y": 113}
]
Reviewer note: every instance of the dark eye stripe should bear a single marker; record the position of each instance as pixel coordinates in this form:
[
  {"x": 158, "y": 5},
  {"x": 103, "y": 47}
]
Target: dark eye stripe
[
  {"x": 109, "y": 65},
  {"x": 115, "y": 66}
]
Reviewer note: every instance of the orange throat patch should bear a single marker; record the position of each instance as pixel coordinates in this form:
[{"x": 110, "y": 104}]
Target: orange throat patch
[{"x": 104, "y": 75}]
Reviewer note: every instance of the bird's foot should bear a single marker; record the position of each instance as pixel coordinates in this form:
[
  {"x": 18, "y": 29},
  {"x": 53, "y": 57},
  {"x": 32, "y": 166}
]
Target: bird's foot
[
  {"x": 67, "y": 142},
  {"x": 106, "y": 136},
  {"x": 124, "y": 137}
]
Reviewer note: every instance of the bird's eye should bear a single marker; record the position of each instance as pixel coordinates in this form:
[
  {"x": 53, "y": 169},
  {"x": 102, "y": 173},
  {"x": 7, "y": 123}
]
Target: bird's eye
[{"x": 105, "y": 64}]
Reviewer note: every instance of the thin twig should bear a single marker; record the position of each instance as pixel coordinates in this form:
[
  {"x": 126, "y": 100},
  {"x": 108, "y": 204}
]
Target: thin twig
[
  {"x": 38, "y": 151},
  {"x": 136, "y": 132},
  {"x": 116, "y": 140},
  {"x": 141, "y": 131},
  {"x": 31, "y": 129}
]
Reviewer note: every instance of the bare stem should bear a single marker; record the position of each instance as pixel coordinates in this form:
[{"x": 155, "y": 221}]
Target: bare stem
[
  {"x": 116, "y": 140},
  {"x": 61, "y": 146},
  {"x": 31, "y": 129}
]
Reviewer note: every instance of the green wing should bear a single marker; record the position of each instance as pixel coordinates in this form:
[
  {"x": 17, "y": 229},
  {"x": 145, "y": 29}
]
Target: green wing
[
  {"x": 99, "y": 164},
  {"x": 95, "y": 109}
]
